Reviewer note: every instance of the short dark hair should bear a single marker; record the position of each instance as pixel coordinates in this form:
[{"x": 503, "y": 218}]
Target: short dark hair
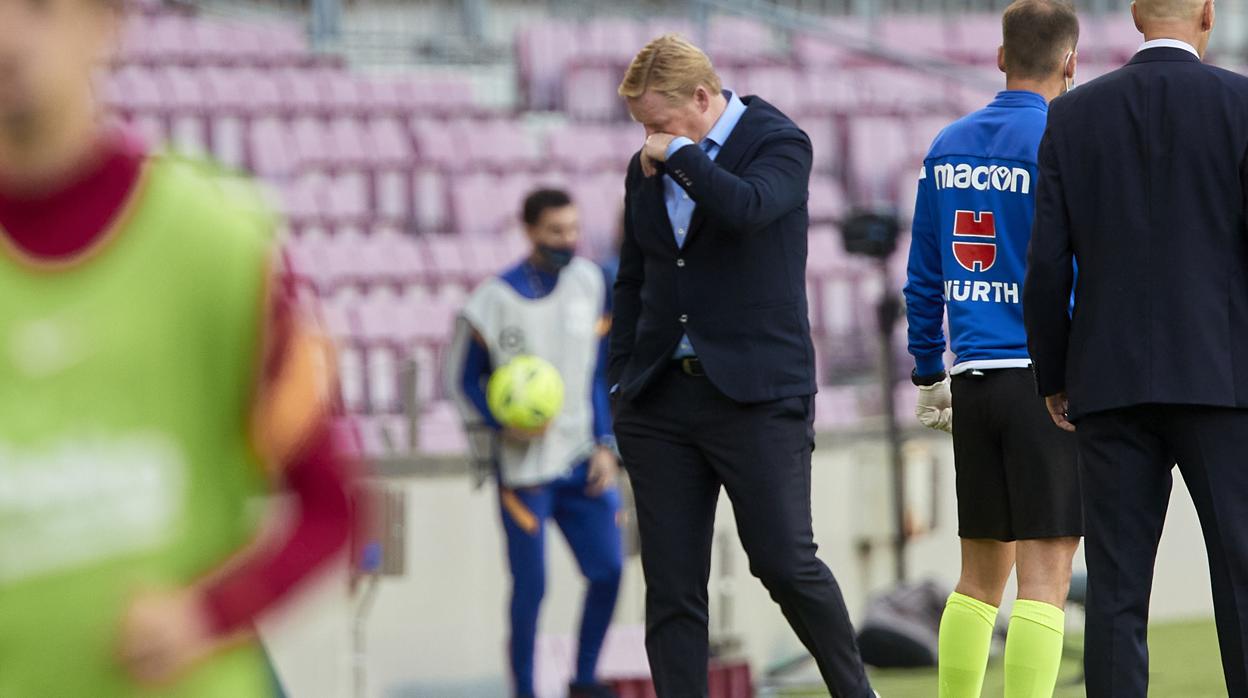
[
  {"x": 538, "y": 202},
  {"x": 1036, "y": 33}
]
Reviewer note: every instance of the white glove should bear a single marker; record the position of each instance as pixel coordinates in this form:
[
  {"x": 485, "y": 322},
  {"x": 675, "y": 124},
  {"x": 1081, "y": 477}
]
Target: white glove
[{"x": 935, "y": 408}]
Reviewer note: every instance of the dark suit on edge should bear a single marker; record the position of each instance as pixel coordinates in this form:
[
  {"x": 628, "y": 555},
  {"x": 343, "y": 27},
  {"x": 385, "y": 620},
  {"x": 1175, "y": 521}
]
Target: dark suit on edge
[
  {"x": 1143, "y": 175},
  {"x": 738, "y": 289}
]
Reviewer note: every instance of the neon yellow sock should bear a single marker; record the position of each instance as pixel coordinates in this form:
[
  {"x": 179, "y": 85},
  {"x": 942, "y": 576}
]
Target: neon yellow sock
[
  {"x": 1033, "y": 649},
  {"x": 965, "y": 639}
]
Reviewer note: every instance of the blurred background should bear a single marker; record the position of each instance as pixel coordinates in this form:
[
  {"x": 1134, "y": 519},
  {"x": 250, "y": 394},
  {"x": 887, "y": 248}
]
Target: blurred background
[{"x": 398, "y": 139}]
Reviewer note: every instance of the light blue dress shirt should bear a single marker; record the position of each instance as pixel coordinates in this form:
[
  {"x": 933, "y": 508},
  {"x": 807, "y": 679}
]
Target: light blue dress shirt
[{"x": 679, "y": 205}]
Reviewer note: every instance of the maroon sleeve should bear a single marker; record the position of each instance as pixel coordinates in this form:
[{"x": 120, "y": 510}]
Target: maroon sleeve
[{"x": 307, "y": 463}]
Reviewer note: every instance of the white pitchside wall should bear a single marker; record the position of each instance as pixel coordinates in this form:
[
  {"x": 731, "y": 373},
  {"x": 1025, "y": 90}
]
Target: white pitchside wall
[{"x": 439, "y": 631}]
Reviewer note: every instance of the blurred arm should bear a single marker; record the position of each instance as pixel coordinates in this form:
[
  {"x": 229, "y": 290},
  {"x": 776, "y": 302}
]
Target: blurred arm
[{"x": 292, "y": 428}]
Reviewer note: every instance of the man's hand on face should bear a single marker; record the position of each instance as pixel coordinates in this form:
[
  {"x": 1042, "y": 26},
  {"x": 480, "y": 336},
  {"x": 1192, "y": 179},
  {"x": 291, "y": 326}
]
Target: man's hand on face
[{"x": 655, "y": 150}]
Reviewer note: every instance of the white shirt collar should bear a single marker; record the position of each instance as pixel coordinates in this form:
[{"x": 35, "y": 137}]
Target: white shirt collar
[{"x": 1169, "y": 43}]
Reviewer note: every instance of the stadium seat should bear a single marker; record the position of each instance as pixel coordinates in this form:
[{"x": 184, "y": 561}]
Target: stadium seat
[{"x": 589, "y": 92}]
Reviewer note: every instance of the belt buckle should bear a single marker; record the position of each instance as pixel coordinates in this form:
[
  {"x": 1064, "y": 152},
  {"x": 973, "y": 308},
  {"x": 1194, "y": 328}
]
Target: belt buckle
[{"x": 691, "y": 366}]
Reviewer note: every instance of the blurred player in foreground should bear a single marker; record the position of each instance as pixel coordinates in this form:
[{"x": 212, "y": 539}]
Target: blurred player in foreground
[
  {"x": 155, "y": 380},
  {"x": 1017, "y": 478},
  {"x": 551, "y": 306}
]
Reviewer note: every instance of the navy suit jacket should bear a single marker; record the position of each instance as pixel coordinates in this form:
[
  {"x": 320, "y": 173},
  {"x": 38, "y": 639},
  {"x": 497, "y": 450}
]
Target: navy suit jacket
[
  {"x": 1143, "y": 175},
  {"x": 738, "y": 287}
]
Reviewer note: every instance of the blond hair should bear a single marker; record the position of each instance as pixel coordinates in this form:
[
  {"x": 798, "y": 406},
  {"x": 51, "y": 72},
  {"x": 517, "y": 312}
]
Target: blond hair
[{"x": 671, "y": 66}]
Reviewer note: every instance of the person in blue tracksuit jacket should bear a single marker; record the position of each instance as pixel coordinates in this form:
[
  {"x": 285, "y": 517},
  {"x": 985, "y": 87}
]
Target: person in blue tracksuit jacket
[
  {"x": 554, "y": 305},
  {"x": 1017, "y": 480}
]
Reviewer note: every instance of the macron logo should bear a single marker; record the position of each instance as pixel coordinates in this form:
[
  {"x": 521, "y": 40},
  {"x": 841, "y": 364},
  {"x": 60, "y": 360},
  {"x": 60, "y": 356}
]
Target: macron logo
[{"x": 1015, "y": 180}]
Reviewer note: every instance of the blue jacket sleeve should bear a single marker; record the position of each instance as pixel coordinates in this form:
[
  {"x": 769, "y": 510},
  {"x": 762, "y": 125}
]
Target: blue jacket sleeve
[
  {"x": 925, "y": 299},
  {"x": 476, "y": 374},
  {"x": 601, "y": 390}
]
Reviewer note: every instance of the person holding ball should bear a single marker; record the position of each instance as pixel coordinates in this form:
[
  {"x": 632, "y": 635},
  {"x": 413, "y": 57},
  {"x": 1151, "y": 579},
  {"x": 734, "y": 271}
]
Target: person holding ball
[{"x": 537, "y": 318}]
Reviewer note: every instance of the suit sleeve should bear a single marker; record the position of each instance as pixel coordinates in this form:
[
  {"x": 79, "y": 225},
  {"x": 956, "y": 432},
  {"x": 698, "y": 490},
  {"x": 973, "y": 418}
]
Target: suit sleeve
[
  {"x": 774, "y": 183},
  {"x": 1050, "y": 275},
  {"x": 626, "y": 300},
  {"x": 925, "y": 299}
]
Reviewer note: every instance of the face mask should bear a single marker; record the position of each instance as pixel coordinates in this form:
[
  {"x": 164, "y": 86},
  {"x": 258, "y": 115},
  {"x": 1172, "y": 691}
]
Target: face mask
[
  {"x": 1070, "y": 81},
  {"x": 555, "y": 257}
]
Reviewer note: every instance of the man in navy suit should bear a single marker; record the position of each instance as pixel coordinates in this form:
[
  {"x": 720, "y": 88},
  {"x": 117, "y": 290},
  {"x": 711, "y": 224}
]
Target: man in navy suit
[
  {"x": 1143, "y": 176},
  {"x": 712, "y": 362}
]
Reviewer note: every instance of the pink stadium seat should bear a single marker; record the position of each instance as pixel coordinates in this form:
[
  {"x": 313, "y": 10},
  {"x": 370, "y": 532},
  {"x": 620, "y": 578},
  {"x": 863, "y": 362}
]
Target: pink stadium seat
[
  {"x": 589, "y": 92},
  {"x": 825, "y": 252},
  {"x": 921, "y": 34},
  {"x": 188, "y": 134},
  {"x": 600, "y": 199},
  {"x": 497, "y": 144},
  {"x": 340, "y": 309},
  {"x": 390, "y": 142},
  {"x": 371, "y": 435},
  {"x": 780, "y": 85},
  {"x": 350, "y": 141},
  {"x": 387, "y": 255},
  {"x": 878, "y": 147},
  {"x": 343, "y": 91},
  {"x": 610, "y": 38},
  {"x": 479, "y": 257},
  {"x": 351, "y": 378},
  {"x": 150, "y": 130},
  {"x": 439, "y": 145},
  {"x": 585, "y": 147},
  {"x": 344, "y": 256},
  {"x": 975, "y": 38},
  {"x": 281, "y": 41},
  {"x": 739, "y": 38},
  {"x": 377, "y": 312},
  {"x": 542, "y": 52},
  {"x": 183, "y": 89},
  {"x": 429, "y": 374},
  {"x": 300, "y": 89},
  {"x": 383, "y": 378},
  {"x": 477, "y": 204},
  {"x": 431, "y": 200},
  {"x": 837, "y": 407},
  {"x": 827, "y": 200},
  {"x": 349, "y": 198},
  {"x": 824, "y": 140},
  {"x": 139, "y": 89},
  {"x": 272, "y": 150},
  {"x": 819, "y": 51},
  {"x": 831, "y": 91},
  {"x": 311, "y": 141},
  {"x": 441, "y": 430},
  {"x": 444, "y": 258},
  {"x": 227, "y": 135}
]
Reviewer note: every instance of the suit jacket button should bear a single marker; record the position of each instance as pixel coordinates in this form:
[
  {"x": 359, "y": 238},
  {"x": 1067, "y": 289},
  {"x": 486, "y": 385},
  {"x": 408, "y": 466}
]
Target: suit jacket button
[
  {"x": 684, "y": 319},
  {"x": 680, "y": 263}
]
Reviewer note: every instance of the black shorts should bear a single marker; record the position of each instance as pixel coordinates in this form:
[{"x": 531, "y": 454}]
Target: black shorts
[{"x": 1017, "y": 472}]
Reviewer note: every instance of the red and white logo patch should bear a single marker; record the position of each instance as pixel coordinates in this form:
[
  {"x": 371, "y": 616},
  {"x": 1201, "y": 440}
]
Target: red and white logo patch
[{"x": 975, "y": 256}]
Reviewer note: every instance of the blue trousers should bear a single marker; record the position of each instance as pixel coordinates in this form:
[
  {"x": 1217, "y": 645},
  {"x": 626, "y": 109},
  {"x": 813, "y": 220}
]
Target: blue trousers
[{"x": 589, "y": 525}]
